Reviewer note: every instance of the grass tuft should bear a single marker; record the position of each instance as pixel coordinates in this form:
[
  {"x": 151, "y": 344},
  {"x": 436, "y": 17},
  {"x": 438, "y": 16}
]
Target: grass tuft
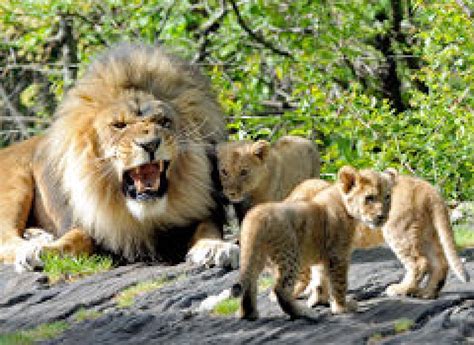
[
  {"x": 265, "y": 282},
  {"x": 65, "y": 267},
  {"x": 42, "y": 332},
  {"x": 403, "y": 325},
  {"x": 228, "y": 306},
  {"x": 126, "y": 298},
  {"x": 86, "y": 314}
]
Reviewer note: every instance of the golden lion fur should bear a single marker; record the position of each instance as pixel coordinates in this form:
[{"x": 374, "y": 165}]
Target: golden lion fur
[{"x": 76, "y": 181}]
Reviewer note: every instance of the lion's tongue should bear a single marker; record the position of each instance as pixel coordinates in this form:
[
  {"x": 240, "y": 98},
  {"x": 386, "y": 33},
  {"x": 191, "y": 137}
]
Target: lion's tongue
[{"x": 146, "y": 177}]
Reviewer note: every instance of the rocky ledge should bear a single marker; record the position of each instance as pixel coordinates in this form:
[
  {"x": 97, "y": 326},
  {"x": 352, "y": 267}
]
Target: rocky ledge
[{"x": 168, "y": 312}]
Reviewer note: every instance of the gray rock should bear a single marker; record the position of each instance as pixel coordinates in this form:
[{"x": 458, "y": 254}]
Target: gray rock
[{"x": 169, "y": 315}]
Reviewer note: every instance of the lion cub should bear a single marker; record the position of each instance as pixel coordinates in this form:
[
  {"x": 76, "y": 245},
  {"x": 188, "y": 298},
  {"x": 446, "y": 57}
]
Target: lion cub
[
  {"x": 419, "y": 232},
  {"x": 294, "y": 235},
  {"x": 256, "y": 172}
]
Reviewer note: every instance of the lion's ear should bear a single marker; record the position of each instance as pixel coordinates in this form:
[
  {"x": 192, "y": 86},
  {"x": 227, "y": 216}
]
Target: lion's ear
[
  {"x": 261, "y": 149},
  {"x": 347, "y": 177}
]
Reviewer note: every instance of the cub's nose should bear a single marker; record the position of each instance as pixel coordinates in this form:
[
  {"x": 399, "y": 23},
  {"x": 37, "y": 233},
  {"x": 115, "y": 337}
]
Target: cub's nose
[
  {"x": 380, "y": 218},
  {"x": 150, "y": 146}
]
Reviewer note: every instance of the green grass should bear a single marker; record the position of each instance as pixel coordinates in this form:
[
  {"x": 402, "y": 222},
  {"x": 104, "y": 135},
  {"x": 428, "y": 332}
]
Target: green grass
[
  {"x": 463, "y": 236},
  {"x": 86, "y": 314},
  {"x": 42, "y": 332},
  {"x": 402, "y": 325},
  {"x": 228, "y": 306},
  {"x": 60, "y": 267},
  {"x": 126, "y": 298}
]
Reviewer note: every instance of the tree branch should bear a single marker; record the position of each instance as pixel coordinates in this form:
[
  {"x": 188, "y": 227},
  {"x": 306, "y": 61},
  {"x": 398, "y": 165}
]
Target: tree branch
[
  {"x": 467, "y": 11},
  {"x": 257, "y": 37},
  {"x": 212, "y": 25},
  {"x": 17, "y": 117}
]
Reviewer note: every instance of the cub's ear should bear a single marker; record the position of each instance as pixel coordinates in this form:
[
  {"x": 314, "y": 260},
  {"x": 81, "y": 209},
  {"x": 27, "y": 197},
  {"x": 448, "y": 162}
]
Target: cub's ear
[
  {"x": 390, "y": 174},
  {"x": 261, "y": 149},
  {"x": 347, "y": 177}
]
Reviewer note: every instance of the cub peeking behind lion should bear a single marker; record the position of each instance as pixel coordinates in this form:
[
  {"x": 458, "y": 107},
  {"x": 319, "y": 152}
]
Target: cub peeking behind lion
[
  {"x": 255, "y": 172},
  {"x": 295, "y": 235},
  {"x": 128, "y": 166}
]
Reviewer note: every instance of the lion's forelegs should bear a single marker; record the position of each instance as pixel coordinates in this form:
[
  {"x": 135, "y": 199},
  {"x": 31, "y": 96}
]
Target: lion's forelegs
[
  {"x": 75, "y": 242},
  {"x": 16, "y": 190},
  {"x": 208, "y": 248}
]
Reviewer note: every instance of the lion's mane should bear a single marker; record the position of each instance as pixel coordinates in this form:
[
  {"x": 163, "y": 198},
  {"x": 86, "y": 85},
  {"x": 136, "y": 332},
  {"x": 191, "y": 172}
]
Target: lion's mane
[{"x": 82, "y": 174}]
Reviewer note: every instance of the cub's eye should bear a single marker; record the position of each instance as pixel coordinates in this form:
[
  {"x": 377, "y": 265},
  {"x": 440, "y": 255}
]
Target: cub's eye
[
  {"x": 244, "y": 172},
  {"x": 388, "y": 197},
  {"x": 164, "y": 122},
  {"x": 370, "y": 199},
  {"x": 119, "y": 125},
  {"x": 224, "y": 172}
]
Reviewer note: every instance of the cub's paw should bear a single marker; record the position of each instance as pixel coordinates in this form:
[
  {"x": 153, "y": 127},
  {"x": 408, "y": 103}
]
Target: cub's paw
[
  {"x": 350, "y": 306},
  {"x": 215, "y": 253},
  {"x": 28, "y": 257},
  {"x": 394, "y": 290}
]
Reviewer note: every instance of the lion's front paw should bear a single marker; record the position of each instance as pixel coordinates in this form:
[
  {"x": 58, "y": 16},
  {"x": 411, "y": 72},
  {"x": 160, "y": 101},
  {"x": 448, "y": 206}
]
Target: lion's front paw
[
  {"x": 28, "y": 257},
  {"x": 215, "y": 253}
]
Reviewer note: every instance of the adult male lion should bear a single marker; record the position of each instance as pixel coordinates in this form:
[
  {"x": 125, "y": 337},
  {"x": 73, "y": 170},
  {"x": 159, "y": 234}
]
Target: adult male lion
[{"x": 126, "y": 166}]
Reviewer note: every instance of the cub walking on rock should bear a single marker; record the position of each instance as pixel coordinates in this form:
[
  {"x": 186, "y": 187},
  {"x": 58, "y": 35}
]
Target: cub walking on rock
[
  {"x": 256, "y": 172},
  {"x": 296, "y": 235}
]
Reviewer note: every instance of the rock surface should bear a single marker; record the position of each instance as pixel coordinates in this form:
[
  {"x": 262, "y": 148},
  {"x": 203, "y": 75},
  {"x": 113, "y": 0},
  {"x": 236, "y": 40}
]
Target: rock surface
[{"x": 169, "y": 314}]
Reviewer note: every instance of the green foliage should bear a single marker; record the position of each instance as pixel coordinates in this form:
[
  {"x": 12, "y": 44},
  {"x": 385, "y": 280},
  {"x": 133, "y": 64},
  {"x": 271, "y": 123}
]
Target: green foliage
[
  {"x": 464, "y": 236},
  {"x": 40, "y": 333},
  {"x": 68, "y": 268},
  {"x": 226, "y": 307},
  {"x": 316, "y": 69}
]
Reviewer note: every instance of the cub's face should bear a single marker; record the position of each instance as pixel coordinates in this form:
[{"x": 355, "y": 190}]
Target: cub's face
[
  {"x": 137, "y": 136},
  {"x": 242, "y": 168},
  {"x": 366, "y": 194}
]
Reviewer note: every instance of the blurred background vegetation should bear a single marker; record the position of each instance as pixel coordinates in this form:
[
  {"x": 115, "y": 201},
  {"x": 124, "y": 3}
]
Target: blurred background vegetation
[{"x": 382, "y": 83}]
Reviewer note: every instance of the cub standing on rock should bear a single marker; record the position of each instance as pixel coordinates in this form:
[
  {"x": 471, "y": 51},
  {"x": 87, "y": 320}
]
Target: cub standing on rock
[
  {"x": 363, "y": 237},
  {"x": 294, "y": 235},
  {"x": 420, "y": 234},
  {"x": 252, "y": 173}
]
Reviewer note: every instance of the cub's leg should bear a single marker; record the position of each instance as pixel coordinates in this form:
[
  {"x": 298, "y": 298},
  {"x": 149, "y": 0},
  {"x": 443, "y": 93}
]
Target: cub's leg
[
  {"x": 338, "y": 269},
  {"x": 406, "y": 244},
  {"x": 304, "y": 279},
  {"x": 287, "y": 261},
  {"x": 250, "y": 268},
  {"x": 319, "y": 286},
  {"x": 438, "y": 272}
]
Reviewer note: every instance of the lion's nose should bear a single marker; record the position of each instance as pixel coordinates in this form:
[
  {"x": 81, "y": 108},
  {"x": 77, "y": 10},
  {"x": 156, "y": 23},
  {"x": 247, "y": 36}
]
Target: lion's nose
[{"x": 151, "y": 146}]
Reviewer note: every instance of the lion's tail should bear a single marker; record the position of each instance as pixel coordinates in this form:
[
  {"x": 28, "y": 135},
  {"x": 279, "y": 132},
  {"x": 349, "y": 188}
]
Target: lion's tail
[{"x": 445, "y": 233}]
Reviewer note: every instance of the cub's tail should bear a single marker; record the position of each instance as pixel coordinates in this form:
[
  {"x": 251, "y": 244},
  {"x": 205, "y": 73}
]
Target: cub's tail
[
  {"x": 445, "y": 233},
  {"x": 236, "y": 290}
]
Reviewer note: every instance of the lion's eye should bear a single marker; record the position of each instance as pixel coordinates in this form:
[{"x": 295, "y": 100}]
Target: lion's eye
[
  {"x": 244, "y": 172},
  {"x": 370, "y": 199},
  {"x": 119, "y": 125}
]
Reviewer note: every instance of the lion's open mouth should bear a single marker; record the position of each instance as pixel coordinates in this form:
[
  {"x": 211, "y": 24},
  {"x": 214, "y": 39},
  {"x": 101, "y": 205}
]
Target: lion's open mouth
[{"x": 147, "y": 181}]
